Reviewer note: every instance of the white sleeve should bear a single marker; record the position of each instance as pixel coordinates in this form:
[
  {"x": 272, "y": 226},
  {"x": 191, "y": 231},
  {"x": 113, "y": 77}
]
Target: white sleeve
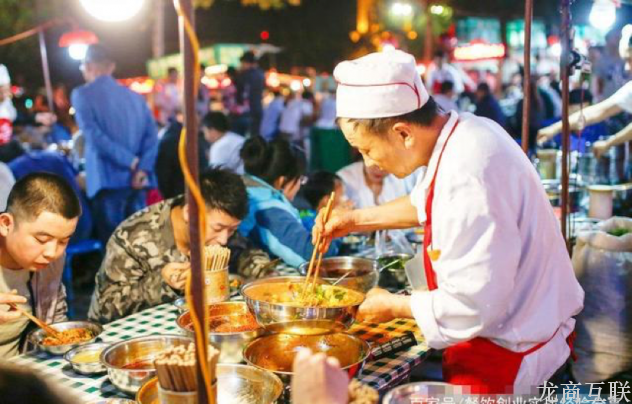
[
  {"x": 478, "y": 236},
  {"x": 623, "y": 97}
]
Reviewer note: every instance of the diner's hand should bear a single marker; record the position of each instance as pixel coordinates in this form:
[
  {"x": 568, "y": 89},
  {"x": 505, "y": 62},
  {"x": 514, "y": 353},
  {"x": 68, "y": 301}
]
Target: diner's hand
[
  {"x": 600, "y": 148},
  {"x": 175, "y": 274},
  {"x": 545, "y": 134},
  {"x": 318, "y": 379},
  {"x": 11, "y": 297},
  {"x": 339, "y": 224},
  {"x": 381, "y": 306}
]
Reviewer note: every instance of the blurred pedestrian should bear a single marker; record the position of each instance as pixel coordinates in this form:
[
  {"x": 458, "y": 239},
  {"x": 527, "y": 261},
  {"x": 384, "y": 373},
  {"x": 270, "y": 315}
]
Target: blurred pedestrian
[
  {"x": 250, "y": 86},
  {"x": 225, "y": 145},
  {"x": 272, "y": 116},
  {"x": 610, "y": 67},
  {"x": 446, "y": 96},
  {"x": 168, "y": 97},
  {"x": 120, "y": 142},
  {"x": 487, "y": 106}
]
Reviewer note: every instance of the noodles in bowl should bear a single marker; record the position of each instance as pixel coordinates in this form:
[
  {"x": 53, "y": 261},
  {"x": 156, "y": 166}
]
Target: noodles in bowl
[
  {"x": 291, "y": 293},
  {"x": 67, "y": 337}
]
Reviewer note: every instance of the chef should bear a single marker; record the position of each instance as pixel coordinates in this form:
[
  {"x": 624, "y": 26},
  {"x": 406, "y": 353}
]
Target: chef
[{"x": 501, "y": 289}]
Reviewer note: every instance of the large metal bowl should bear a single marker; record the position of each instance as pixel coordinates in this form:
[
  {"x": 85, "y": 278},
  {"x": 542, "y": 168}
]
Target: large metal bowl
[
  {"x": 363, "y": 276},
  {"x": 392, "y": 271},
  {"x": 231, "y": 344},
  {"x": 38, "y": 335},
  {"x": 275, "y": 353},
  {"x": 116, "y": 357},
  {"x": 301, "y": 320},
  {"x": 235, "y": 384}
]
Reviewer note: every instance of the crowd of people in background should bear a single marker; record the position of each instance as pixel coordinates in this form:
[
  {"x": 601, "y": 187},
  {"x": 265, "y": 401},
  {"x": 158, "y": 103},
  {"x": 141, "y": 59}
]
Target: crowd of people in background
[{"x": 121, "y": 157}]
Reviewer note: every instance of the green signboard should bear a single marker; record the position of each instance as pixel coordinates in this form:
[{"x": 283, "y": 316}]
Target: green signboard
[
  {"x": 478, "y": 29},
  {"x": 227, "y": 54}
]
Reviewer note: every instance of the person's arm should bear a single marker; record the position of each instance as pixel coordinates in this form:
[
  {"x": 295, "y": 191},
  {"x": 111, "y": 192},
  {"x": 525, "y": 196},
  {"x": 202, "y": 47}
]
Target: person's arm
[
  {"x": 104, "y": 146},
  {"x": 623, "y": 136},
  {"x": 593, "y": 114},
  {"x": 149, "y": 144},
  {"x": 396, "y": 214},
  {"x": 61, "y": 308},
  {"x": 125, "y": 284}
]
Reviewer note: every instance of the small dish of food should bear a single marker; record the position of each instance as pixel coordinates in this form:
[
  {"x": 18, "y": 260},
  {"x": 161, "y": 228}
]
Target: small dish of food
[
  {"x": 70, "y": 335},
  {"x": 85, "y": 359}
]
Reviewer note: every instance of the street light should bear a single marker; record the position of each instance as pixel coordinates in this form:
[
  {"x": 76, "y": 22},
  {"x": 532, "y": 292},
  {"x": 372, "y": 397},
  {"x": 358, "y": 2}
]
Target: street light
[
  {"x": 401, "y": 9},
  {"x": 77, "y": 42},
  {"x": 603, "y": 14},
  {"x": 112, "y": 10}
]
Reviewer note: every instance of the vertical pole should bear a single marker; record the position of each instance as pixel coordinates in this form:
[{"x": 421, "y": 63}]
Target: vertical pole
[
  {"x": 47, "y": 82},
  {"x": 190, "y": 124},
  {"x": 526, "y": 103},
  {"x": 566, "y": 129},
  {"x": 158, "y": 30}
]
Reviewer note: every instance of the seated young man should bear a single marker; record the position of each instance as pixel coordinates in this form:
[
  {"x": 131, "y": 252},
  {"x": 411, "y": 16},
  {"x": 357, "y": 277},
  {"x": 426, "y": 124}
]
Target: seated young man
[
  {"x": 41, "y": 216},
  {"x": 149, "y": 252}
]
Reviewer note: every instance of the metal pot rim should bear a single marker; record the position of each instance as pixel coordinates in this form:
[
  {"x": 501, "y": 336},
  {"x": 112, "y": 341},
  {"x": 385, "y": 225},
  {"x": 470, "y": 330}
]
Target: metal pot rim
[{"x": 137, "y": 339}]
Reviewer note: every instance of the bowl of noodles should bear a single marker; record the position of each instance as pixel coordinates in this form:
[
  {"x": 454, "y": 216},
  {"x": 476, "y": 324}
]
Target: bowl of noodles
[
  {"x": 280, "y": 305},
  {"x": 71, "y": 334}
]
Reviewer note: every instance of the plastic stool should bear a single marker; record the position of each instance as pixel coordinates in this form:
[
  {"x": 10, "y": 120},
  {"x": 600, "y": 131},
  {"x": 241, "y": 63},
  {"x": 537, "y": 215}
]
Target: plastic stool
[{"x": 79, "y": 248}]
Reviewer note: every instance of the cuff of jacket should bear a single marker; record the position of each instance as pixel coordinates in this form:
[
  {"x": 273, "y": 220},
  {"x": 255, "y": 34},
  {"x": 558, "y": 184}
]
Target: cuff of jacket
[{"x": 421, "y": 305}]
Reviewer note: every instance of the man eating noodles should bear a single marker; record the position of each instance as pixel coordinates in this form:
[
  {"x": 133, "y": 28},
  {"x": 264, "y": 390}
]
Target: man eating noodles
[
  {"x": 41, "y": 216},
  {"x": 501, "y": 289},
  {"x": 148, "y": 255}
]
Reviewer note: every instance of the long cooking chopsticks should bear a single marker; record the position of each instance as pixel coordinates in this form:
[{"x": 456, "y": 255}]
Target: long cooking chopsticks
[{"x": 313, "y": 271}]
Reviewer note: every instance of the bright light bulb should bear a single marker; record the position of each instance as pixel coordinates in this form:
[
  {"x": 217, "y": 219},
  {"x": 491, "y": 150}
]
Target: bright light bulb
[
  {"x": 307, "y": 82},
  {"x": 556, "y": 49},
  {"x": 603, "y": 14},
  {"x": 295, "y": 85},
  {"x": 437, "y": 9},
  {"x": 112, "y": 10},
  {"x": 402, "y": 9},
  {"x": 77, "y": 51}
]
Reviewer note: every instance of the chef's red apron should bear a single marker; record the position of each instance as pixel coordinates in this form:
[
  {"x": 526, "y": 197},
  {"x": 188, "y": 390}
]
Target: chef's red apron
[{"x": 479, "y": 363}]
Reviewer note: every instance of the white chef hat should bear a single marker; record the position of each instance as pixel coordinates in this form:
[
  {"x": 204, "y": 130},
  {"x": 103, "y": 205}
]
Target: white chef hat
[
  {"x": 5, "y": 80},
  {"x": 379, "y": 85}
]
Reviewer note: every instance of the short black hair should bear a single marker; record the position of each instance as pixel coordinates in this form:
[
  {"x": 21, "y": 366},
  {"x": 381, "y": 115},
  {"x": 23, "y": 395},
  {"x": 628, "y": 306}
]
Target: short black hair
[
  {"x": 225, "y": 191},
  {"x": 98, "y": 54},
  {"x": 42, "y": 192},
  {"x": 319, "y": 185},
  {"x": 423, "y": 116},
  {"x": 248, "y": 57},
  {"x": 172, "y": 70},
  {"x": 271, "y": 161},
  {"x": 446, "y": 87},
  {"x": 484, "y": 88},
  {"x": 215, "y": 120},
  {"x": 578, "y": 95}
]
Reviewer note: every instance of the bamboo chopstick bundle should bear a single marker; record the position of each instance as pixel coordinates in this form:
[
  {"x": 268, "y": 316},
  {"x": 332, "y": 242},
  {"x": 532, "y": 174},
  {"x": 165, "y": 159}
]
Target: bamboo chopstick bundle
[
  {"x": 216, "y": 257},
  {"x": 175, "y": 367}
]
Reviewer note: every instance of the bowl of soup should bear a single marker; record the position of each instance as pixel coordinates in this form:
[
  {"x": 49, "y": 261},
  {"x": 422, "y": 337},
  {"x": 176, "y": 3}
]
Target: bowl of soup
[{"x": 131, "y": 363}]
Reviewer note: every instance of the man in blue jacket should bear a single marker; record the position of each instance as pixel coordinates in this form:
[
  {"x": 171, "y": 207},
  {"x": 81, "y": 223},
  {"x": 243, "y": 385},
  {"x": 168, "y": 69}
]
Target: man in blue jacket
[{"x": 120, "y": 142}]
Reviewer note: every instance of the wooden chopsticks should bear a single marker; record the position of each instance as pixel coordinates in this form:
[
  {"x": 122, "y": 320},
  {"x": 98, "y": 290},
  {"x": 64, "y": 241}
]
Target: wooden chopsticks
[
  {"x": 175, "y": 367},
  {"x": 313, "y": 271},
  {"x": 49, "y": 330}
]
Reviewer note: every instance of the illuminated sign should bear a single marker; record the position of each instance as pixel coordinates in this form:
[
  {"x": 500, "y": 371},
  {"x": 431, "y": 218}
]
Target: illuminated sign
[{"x": 479, "y": 51}]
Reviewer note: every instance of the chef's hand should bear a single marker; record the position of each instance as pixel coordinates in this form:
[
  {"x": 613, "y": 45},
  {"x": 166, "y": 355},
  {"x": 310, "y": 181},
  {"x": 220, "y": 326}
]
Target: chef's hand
[
  {"x": 11, "y": 297},
  {"x": 600, "y": 148},
  {"x": 175, "y": 274},
  {"x": 381, "y": 306},
  {"x": 318, "y": 379},
  {"x": 339, "y": 224},
  {"x": 545, "y": 134}
]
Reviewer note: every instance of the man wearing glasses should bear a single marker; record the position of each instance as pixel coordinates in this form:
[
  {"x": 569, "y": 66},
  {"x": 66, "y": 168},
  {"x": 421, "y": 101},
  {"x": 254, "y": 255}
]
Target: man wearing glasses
[{"x": 120, "y": 142}]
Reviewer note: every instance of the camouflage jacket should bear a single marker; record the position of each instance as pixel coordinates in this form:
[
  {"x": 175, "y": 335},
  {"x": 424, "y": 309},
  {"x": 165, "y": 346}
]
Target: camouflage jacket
[{"x": 130, "y": 279}]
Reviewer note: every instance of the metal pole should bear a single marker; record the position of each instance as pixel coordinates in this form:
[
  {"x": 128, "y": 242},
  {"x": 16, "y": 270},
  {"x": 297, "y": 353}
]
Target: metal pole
[
  {"x": 566, "y": 129},
  {"x": 190, "y": 124},
  {"x": 47, "y": 82},
  {"x": 526, "y": 103}
]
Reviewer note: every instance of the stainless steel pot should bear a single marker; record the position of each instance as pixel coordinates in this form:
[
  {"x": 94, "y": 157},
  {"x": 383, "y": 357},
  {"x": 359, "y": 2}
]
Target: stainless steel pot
[
  {"x": 38, "y": 335},
  {"x": 362, "y": 278},
  {"x": 292, "y": 319},
  {"x": 231, "y": 344},
  {"x": 142, "y": 349}
]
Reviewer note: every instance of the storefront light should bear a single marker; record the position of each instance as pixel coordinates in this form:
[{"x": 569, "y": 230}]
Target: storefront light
[
  {"x": 77, "y": 51},
  {"x": 112, "y": 10},
  {"x": 401, "y": 9}
]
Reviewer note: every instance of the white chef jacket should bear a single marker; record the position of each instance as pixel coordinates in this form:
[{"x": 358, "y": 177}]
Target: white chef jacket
[
  {"x": 503, "y": 272},
  {"x": 623, "y": 97},
  {"x": 225, "y": 153},
  {"x": 361, "y": 195}
]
